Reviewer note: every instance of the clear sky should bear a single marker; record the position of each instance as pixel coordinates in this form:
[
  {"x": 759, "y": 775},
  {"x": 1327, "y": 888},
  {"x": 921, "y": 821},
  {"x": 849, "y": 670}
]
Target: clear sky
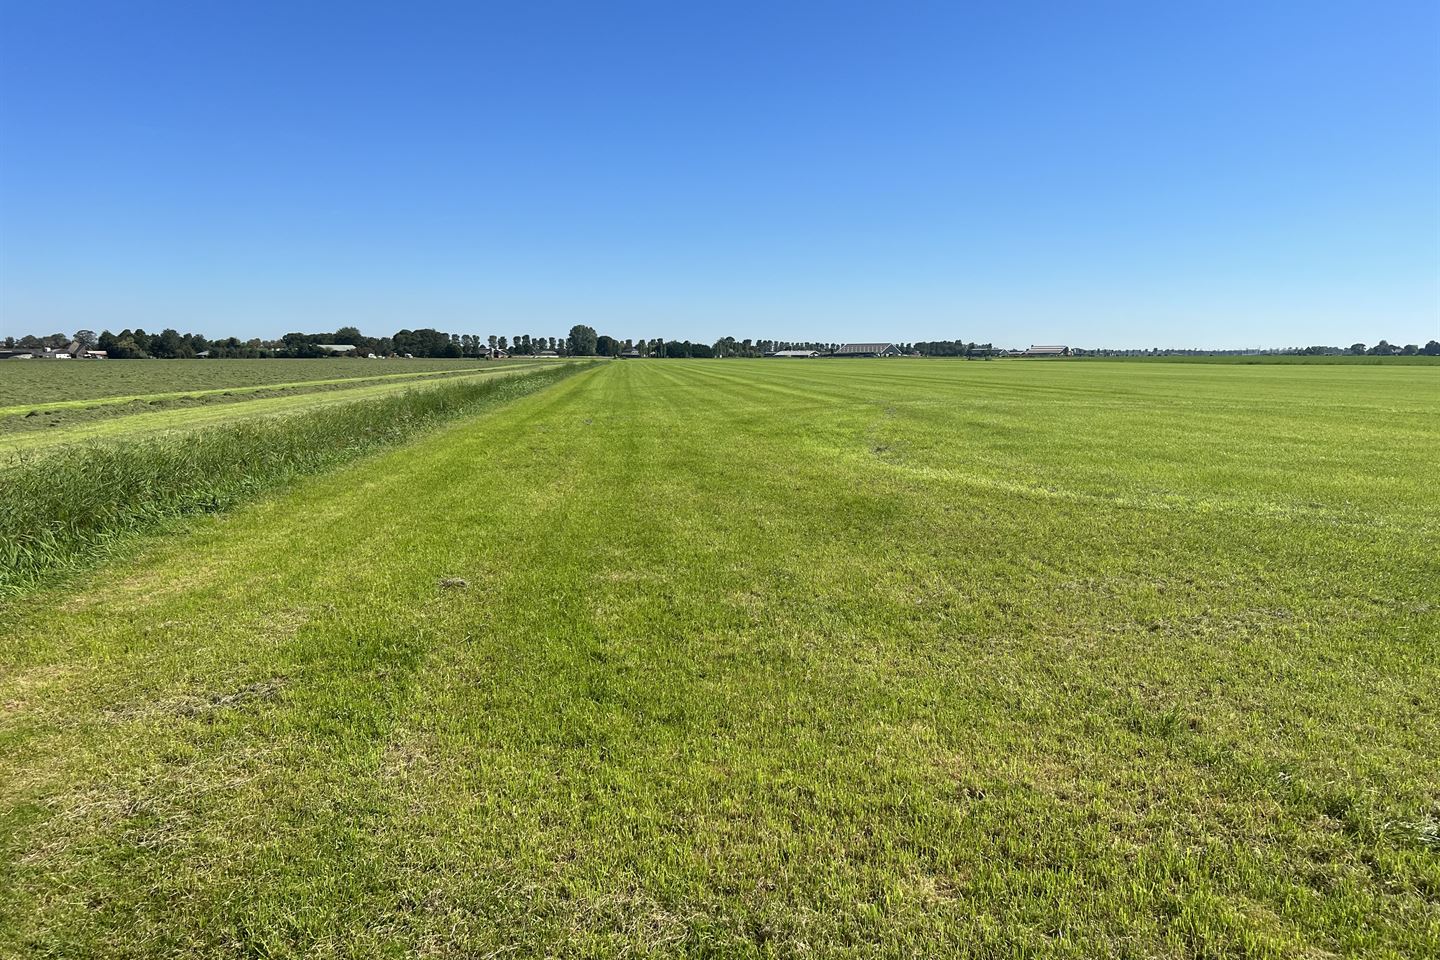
[{"x": 1217, "y": 174}]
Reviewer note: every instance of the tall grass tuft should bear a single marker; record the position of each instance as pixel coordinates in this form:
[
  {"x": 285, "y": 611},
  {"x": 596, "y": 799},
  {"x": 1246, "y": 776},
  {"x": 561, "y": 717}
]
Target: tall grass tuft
[{"x": 60, "y": 510}]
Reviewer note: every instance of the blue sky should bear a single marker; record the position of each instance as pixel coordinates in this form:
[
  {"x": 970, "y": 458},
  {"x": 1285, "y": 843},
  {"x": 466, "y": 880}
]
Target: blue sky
[{"x": 1122, "y": 174}]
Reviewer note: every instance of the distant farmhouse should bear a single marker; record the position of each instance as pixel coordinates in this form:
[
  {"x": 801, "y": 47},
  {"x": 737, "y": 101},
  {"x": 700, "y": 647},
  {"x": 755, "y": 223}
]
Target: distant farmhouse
[
  {"x": 866, "y": 350},
  {"x": 1047, "y": 351},
  {"x": 71, "y": 351},
  {"x": 794, "y": 353},
  {"x": 336, "y": 347}
]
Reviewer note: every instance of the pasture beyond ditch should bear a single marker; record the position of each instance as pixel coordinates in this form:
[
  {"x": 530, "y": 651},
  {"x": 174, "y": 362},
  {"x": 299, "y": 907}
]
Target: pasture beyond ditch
[{"x": 126, "y": 420}]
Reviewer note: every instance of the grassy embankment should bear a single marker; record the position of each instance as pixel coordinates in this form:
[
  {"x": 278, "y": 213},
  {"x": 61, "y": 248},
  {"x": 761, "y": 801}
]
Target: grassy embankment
[
  {"x": 758, "y": 659},
  {"x": 61, "y": 507}
]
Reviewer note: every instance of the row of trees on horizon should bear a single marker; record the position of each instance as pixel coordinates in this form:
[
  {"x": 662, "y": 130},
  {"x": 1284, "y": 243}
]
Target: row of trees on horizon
[{"x": 581, "y": 341}]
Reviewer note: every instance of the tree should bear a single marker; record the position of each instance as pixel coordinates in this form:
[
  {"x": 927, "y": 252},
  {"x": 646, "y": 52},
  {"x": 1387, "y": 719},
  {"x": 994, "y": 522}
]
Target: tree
[
  {"x": 582, "y": 341},
  {"x": 1358, "y": 349},
  {"x": 121, "y": 347},
  {"x": 1411, "y": 349},
  {"x": 424, "y": 343},
  {"x": 1431, "y": 349},
  {"x": 168, "y": 344},
  {"x": 302, "y": 345},
  {"x": 87, "y": 339},
  {"x": 1382, "y": 349},
  {"x": 607, "y": 346}
]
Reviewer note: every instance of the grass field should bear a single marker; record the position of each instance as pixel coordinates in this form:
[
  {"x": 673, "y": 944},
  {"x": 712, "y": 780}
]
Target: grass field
[
  {"x": 1343, "y": 360},
  {"x": 27, "y": 384},
  {"x": 64, "y": 509},
  {"x": 124, "y": 418},
  {"x": 755, "y": 658}
]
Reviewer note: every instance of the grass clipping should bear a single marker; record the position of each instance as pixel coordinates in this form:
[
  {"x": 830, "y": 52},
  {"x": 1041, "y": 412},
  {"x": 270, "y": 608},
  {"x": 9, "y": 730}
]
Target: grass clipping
[{"x": 60, "y": 510}]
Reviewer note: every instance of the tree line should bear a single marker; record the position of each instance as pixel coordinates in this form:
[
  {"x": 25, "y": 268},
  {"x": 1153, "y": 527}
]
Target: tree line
[
  {"x": 169, "y": 344},
  {"x": 581, "y": 341}
]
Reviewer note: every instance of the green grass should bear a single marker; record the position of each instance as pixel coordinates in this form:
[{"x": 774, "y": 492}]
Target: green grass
[
  {"x": 759, "y": 659},
  {"x": 60, "y": 509},
  {"x": 151, "y": 398},
  {"x": 32, "y": 384},
  {"x": 22, "y": 434},
  {"x": 1346, "y": 360}
]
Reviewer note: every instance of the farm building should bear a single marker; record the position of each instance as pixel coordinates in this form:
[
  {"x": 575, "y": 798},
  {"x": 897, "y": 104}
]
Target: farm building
[
  {"x": 337, "y": 347},
  {"x": 867, "y": 350},
  {"x": 794, "y": 353},
  {"x": 70, "y": 351},
  {"x": 631, "y": 354},
  {"x": 1047, "y": 351}
]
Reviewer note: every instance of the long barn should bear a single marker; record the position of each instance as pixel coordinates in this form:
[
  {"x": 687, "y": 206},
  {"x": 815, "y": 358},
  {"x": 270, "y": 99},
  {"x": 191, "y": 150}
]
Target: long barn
[{"x": 866, "y": 350}]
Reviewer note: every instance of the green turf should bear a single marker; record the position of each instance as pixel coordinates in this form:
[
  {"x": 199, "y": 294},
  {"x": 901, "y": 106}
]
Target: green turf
[{"x": 769, "y": 659}]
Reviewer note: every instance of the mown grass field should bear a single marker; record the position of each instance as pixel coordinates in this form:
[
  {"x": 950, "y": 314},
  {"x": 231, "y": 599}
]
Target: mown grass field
[
  {"x": 28, "y": 383},
  {"x": 29, "y": 428},
  {"x": 1343, "y": 360},
  {"x": 759, "y": 658}
]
